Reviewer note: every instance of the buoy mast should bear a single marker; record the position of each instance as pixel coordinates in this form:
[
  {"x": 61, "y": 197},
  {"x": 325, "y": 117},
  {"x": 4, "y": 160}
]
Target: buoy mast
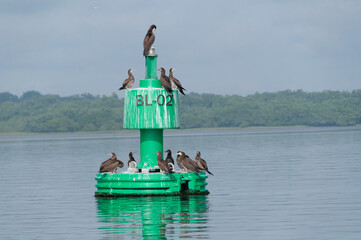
[{"x": 151, "y": 109}]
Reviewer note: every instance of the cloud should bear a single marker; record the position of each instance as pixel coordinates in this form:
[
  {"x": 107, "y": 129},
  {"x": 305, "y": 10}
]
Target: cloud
[{"x": 233, "y": 47}]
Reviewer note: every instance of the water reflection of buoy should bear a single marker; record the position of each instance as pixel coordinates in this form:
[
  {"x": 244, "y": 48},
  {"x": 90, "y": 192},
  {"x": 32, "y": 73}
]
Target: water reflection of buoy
[{"x": 176, "y": 217}]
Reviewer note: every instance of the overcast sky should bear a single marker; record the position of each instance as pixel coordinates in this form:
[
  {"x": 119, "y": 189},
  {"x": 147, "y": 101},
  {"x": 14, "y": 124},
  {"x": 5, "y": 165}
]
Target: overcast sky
[{"x": 223, "y": 47}]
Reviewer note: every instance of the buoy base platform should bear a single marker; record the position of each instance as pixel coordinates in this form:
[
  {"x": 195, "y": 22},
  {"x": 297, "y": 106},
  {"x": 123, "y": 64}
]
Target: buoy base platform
[{"x": 150, "y": 184}]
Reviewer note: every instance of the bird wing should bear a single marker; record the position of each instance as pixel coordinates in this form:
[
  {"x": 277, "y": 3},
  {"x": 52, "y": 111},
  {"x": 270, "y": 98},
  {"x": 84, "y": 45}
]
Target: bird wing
[
  {"x": 120, "y": 164},
  {"x": 163, "y": 166},
  {"x": 170, "y": 160},
  {"x": 195, "y": 166},
  {"x": 146, "y": 40},
  {"x": 104, "y": 164},
  {"x": 204, "y": 164},
  {"x": 199, "y": 164},
  {"x": 179, "y": 162},
  {"x": 188, "y": 164},
  {"x": 177, "y": 83},
  {"x": 111, "y": 167},
  {"x": 130, "y": 81},
  {"x": 147, "y": 43},
  {"x": 165, "y": 81},
  {"x": 125, "y": 83}
]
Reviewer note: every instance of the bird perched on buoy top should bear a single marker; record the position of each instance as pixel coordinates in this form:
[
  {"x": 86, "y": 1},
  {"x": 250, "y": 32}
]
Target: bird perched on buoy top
[
  {"x": 128, "y": 83},
  {"x": 165, "y": 81},
  {"x": 149, "y": 39},
  {"x": 175, "y": 82},
  {"x": 131, "y": 162},
  {"x": 111, "y": 164},
  {"x": 162, "y": 164},
  {"x": 202, "y": 163},
  {"x": 184, "y": 162}
]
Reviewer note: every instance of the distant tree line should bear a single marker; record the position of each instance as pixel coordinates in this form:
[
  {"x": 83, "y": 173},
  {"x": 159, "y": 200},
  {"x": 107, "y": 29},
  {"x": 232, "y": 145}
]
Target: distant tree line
[{"x": 37, "y": 113}]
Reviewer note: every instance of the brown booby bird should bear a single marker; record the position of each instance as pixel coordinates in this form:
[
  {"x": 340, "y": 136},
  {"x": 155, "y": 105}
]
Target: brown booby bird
[
  {"x": 131, "y": 162},
  {"x": 165, "y": 81},
  {"x": 175, "y": 82},
  {"x": 128, "y": 83},
  {"x": 162, "y": 164},
  {"x": 202, "y": 163},
  {"x": 111, "y": 164},
  {"x": 184, "y": 162},
  {"x": 169, "y": 159},
  {"x": 149, "y": 39},
  {"x": 180, "y": 159}
]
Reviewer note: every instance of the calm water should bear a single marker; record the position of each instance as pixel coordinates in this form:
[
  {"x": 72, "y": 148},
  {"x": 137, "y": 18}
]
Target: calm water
[{"x": 300, "y": 183}]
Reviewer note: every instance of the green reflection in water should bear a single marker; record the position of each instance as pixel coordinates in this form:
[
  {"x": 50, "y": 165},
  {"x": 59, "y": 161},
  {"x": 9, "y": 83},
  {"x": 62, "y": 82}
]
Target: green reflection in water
[{"x": 154, "y": 217}]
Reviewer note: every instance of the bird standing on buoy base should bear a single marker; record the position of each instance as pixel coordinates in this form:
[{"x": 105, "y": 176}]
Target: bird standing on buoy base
[
  {"x": 131, "y": 162},
  {"x": 162, "y": 164},
  {"x": 202, "y": 163},
  {"x": 169, "y": 160},
  {"x": 111, "y": 164},
  {"x": 187, "y": 164},
  {"x": 128, "y": 83}
]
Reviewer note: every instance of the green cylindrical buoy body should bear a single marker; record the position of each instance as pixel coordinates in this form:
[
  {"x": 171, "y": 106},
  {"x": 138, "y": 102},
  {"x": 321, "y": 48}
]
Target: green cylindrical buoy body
[
  {"x": 151, "y": 109},
  {"x": 151, "y": 141}
]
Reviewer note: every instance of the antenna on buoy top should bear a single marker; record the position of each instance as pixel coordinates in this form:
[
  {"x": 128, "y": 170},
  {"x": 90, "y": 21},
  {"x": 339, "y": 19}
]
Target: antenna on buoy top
[{"x": 152, "y": 53}]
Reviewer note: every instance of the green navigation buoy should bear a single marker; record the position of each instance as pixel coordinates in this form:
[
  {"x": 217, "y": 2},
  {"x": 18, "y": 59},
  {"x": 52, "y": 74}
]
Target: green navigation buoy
[{"x": 150, "y": 109}]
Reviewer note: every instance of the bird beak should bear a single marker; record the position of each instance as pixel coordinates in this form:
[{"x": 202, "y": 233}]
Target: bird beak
[{"x": 134, "y": 152}]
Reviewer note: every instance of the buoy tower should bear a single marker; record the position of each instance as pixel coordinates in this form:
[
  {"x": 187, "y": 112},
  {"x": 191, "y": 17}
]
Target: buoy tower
[{"x": 150, "y": 109}]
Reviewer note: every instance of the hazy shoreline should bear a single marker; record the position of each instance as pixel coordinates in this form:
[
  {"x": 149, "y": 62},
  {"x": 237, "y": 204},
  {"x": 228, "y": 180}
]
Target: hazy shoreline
[{"x": 170, "y": 132}]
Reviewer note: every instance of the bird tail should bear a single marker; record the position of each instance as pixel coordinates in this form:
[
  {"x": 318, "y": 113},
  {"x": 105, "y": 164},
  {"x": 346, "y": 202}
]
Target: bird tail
[
  {"x": 146, "y": 52},
  {"x": 181, "y": 90},
  {"x": 121, "y": 88},
  {"x": 198, "y": 169}
]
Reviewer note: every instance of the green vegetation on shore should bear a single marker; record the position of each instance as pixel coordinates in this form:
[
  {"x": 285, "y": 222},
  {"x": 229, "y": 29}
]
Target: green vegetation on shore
[{"x": 37, "y": 113}]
